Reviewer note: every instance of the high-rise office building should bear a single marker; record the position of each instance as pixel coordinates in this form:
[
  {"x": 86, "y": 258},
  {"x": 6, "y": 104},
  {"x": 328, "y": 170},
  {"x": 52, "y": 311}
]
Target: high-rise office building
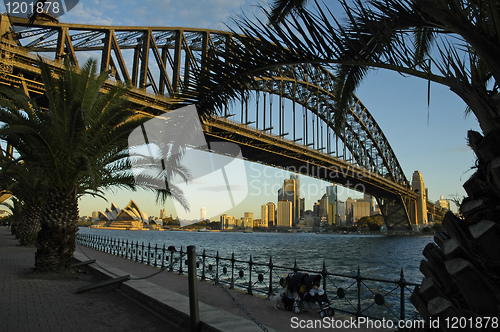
[
  {"x": 323, "y": 206},
  {"x": 348, "y": 210},
  {"x": 203, "y": 213},
  {"x": 163, "y": 213},
  {"x": 297, "y": 200},
  {"x": 302, "y": 207},
  {"x": 227, "y": 222},
  {"x": 271, "y": 214},
  {"x": 340, "y": 212},
  {"x": 285, "y": 212},
  {"x": 264, "y": 214},
  {"x": 332, "y": 209},
  {"x": 360, "y": 209},
  {"x": 290, "y": 192},
  {"x": 443, "y": 203}
]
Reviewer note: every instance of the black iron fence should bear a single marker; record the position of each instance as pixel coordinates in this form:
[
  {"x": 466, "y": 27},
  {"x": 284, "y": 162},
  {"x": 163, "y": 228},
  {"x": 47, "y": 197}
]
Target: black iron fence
[{"x": 355, "y": 294}]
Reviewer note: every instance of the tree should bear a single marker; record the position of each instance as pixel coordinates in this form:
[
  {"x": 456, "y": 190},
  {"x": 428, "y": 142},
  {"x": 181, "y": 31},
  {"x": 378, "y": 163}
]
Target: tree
[
  {"x": 455, "y": 43},
  {"x": 25, "y": 185},
  {"x": 77, "y": 146}
]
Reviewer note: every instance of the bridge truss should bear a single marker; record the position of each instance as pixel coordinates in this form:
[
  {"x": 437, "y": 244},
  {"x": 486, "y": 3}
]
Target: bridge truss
[{"x": 284, "y": 117}]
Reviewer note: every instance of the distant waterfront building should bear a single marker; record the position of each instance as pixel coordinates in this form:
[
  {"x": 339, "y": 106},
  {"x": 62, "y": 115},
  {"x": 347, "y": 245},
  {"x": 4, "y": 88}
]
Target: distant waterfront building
[
  {"x": 163, "y": 213},
  {"x": 331, "y": 210},
  {"x": 340, "y": 213},
  {"x": 348, "y": 210},
  {"x": 227, "y": 222},
  {"x": 260, "y": 223},
  {"x": 271, "y": 214},
  {"x": 247, "y": 220},
  {"x": 129, "y": 217},
  {"x": 443, "y": 203},
  {"x": 203, "y": 213},
  {"x": 296, "y": 199},
  {"x": 290, "y": 194},
  {"x": 360, "y": 209},
  {"x": 264, "y": 214},
  {"x": 95, "y": 215},
  {"x": 302, "y": 207},
  {"x": 285, "y": 213}
]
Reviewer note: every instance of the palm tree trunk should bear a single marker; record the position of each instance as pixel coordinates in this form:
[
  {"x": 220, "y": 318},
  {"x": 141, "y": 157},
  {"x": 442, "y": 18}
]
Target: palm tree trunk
[
  {"x": 29, "y": 225},
  {"x": 57, "y": 237},
  {"x": 463, "y": 267}
]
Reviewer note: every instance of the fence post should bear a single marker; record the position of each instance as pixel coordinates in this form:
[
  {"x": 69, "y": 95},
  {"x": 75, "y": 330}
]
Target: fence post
[
  {"x": 172, "y": 250},
  {"x": 270, "y": 291},
  {"x": 163, "y": 252},
  {"x": 324, "y": 273},
  {"x": 180, "y": 263},
  {"x": 149, "y": 253},
  {"x": 232, "y": 271},
  {"x": 203, "y": 256},
  {"x": 402, "y": 284},
  {"x": 156, "y": 254},
  {"x": 193, "y": 289},
  {"x": 250, "y": 263},
  {"x": 217, "y": 268},
  {"x": 142, "y": 252},
  {"x": 136, "y": 250},
  {"x": 358, "y": 283}
]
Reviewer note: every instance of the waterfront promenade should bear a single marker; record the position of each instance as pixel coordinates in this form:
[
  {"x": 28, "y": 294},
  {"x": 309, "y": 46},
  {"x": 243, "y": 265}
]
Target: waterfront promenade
[{"x": 47, "y": 302}]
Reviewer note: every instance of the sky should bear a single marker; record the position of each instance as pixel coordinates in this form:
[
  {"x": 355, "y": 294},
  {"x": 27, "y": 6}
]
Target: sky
[{"x": 431, "y": 139}]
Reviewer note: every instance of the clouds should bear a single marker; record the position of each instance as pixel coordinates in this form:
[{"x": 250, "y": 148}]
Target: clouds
[{"x": 202, "y": 14}]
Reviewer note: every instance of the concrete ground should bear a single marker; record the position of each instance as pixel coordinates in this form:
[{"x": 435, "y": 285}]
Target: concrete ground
[
  {"x": 42, "y": 302},
  {"x": 47, "y": 302}
]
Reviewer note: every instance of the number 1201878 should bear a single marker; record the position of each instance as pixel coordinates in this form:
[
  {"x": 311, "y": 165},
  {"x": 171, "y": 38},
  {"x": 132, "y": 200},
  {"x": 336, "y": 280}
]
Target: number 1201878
[{"x": 22, "y": 7}]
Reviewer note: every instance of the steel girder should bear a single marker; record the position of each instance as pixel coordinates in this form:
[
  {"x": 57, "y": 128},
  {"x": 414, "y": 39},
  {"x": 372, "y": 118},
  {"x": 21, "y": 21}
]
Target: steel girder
[{"x": 163, "y": 60}]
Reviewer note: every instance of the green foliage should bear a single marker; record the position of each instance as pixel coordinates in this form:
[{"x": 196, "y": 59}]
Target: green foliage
[
  {"x": 454, "y": 43},
  {"x": 372, "y": 223}
]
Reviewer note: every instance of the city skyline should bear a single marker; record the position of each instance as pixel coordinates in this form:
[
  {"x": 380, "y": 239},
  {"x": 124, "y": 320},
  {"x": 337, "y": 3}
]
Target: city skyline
[{"x": 426, "y": 137}]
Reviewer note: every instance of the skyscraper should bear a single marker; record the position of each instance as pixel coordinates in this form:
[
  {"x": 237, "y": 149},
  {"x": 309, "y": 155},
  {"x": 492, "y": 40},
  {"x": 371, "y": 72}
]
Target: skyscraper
[
  {"x": 296, "y": 202},
  {"x": 332, "y": 209},
  {"x": 284, "y": 214},
  {"x": 271, "y": 214},
  {"x": 263, "y": 213},
  {"x": 290, "y": 192},
  {"x": 348, "y": 210},
  {"x": 203, "y": 213}
]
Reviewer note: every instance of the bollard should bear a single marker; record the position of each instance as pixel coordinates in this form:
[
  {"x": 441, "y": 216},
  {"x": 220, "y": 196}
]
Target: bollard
[{"x": 193, "y": 289}]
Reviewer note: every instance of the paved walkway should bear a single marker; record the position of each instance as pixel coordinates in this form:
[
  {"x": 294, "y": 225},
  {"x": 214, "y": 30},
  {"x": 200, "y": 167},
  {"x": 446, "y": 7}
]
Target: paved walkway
[
  {"x": 42, "y": 302},
  {"x": 45, "y": 302}
]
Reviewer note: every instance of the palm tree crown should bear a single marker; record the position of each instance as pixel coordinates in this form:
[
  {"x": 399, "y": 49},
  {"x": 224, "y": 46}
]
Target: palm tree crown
[{"x": 77, "y": 144}]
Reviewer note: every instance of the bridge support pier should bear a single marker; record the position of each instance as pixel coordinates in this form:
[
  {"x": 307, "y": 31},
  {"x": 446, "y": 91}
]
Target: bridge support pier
[{"x": 399, "y": 213}]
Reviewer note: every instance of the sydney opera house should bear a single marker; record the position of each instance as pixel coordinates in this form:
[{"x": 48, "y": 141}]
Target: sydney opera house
[{"x": 129, "y": 217}]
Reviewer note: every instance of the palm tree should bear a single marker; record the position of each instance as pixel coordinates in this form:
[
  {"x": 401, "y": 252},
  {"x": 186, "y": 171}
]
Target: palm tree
[
  {"x": 77, "y": 145},
  {"x": 18, "y": 179},
  {"x": 15, "y": 208},
  {"x": 455, "y": 43}
]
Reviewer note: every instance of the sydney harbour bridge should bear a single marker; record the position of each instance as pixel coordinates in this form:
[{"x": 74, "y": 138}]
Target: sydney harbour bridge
[{"x": 283, "y": 119}]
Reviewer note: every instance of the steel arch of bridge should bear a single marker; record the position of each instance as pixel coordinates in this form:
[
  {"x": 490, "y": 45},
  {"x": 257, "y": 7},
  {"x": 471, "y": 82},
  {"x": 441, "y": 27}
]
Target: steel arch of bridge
[{"x": 163, "y": 61}]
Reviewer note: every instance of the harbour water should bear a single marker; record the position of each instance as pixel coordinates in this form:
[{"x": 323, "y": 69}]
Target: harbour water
[{"x": 378, "y": 256}]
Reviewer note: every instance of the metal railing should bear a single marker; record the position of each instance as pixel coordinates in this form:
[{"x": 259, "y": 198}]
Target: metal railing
[{"x": 354, "y": 294}]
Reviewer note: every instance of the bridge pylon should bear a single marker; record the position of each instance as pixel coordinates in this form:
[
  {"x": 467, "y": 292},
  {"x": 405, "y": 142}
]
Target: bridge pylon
[{"x": 398, "y": 213}]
